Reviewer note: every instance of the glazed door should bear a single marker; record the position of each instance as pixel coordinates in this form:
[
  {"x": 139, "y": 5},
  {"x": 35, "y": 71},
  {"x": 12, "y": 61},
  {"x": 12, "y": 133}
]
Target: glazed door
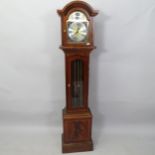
[{"x": 77, "y": 83}]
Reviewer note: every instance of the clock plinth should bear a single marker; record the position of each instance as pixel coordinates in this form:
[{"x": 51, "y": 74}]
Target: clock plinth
[
  {"x": 77, "y": 44},
  {"x": 76, "y": 147},
  {"x": 77, "y": 132}
]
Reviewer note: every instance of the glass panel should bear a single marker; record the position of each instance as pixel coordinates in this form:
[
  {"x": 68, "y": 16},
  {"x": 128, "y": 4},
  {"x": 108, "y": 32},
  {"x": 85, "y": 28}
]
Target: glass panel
[
  {"x": 77, "y": 27},
  {"x": 77, "y": 83}
]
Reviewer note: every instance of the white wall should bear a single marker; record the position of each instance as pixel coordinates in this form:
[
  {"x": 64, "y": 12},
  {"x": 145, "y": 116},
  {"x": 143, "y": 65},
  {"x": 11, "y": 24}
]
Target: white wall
[{"x": 122, "y": 74}]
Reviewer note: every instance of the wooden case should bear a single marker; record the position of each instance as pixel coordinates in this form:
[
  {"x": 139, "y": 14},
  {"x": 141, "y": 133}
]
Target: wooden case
[{"x": 77, "y": 122}]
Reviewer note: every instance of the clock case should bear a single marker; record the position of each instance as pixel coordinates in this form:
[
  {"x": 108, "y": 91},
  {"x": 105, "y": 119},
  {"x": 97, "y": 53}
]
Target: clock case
[{"x": 77, "y": 121}]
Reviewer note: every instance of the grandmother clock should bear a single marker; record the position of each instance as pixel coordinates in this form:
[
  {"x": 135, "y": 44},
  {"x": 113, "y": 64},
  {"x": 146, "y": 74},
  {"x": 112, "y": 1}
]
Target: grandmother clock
[{"x": 77, "y": 44}]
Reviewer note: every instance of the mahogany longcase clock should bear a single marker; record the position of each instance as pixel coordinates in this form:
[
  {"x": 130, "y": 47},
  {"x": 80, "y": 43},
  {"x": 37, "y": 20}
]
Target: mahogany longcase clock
[{"x": 77, "y": 44}]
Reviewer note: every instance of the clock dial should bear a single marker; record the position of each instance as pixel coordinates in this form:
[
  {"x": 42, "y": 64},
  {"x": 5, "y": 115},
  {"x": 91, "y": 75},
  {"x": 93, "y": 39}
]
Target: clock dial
[
  {"x": 77, "y": 31},
  {"x": 77, "y": 27}
]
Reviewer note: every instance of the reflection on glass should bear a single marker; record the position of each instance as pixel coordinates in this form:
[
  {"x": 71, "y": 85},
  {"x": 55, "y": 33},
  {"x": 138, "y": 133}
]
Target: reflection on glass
[{"x": 77, "y": 83}]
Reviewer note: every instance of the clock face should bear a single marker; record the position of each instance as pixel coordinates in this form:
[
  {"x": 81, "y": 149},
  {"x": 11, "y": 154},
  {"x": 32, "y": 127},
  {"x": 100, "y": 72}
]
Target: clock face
[{"x": 77, "y": 29}]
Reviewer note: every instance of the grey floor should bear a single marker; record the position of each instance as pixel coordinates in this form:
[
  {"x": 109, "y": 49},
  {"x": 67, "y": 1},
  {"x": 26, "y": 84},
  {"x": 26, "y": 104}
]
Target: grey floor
[{"x": 47, "y": 141}]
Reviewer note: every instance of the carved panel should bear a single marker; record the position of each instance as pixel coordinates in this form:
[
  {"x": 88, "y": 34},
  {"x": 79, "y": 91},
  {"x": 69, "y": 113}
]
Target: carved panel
[{"x": 78, "y": 130}]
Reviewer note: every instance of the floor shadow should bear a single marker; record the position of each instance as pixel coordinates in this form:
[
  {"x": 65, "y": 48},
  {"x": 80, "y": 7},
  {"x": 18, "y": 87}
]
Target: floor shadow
[{"x": 95, "y": 81}]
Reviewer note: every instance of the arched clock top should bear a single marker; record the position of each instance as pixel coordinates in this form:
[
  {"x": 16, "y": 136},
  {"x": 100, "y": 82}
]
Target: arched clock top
[{"x": 77, "y": 4}]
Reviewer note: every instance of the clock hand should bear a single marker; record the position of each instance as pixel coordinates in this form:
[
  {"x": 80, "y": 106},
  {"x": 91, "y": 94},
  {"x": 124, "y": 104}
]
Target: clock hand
[{"x": 77, "y": 31}]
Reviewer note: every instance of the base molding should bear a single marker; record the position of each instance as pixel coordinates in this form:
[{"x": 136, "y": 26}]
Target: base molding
[{"x": 76, "y": 146}]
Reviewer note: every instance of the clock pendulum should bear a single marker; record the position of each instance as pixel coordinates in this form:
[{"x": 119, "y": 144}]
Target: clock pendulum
[{"x": 77, "y": 44}]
